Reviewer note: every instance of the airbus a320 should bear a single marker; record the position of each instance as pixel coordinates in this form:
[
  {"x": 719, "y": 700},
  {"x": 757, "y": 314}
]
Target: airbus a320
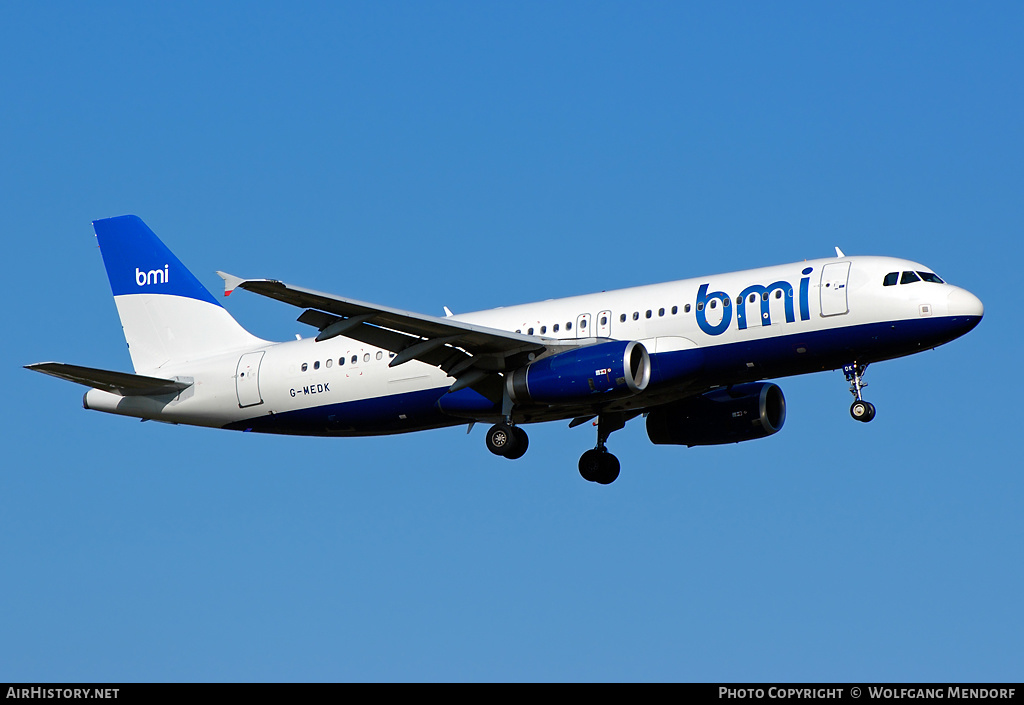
[{"x": 692, "y": 356}]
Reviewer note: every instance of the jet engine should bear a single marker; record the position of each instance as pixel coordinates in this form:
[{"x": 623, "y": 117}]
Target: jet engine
[
  {"x": 606, "y": 370},
  {"x": 740, "y": 413}
]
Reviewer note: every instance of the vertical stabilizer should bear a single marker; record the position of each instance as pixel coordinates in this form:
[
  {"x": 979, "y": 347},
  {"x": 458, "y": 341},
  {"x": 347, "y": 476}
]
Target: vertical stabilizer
[{"x": 168, "y": 316}]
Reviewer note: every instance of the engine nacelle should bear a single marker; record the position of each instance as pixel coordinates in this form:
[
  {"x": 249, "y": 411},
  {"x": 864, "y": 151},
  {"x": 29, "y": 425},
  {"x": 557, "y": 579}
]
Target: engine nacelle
[
  {"x": 740, "y": 413},
  {"x": 606, "y": 370}
]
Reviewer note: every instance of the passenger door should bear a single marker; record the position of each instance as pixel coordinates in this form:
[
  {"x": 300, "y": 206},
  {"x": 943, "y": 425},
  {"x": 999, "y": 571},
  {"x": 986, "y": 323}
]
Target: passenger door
[
  {"x": 247, "y": 379},
  {"x": 834, "y": 278}
]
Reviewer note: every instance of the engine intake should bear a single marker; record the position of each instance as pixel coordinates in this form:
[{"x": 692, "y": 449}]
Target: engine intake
[
  {"x": 740, "y": 413},
  {"x": 609, "y": 370}
]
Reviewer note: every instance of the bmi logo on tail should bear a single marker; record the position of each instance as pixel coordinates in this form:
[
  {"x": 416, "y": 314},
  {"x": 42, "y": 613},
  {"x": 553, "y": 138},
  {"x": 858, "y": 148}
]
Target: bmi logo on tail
[{"x": 153, "y": 276}]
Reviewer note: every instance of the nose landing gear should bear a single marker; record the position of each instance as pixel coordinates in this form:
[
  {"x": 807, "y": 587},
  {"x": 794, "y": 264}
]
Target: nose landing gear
[{"x": 860, "y": 410}]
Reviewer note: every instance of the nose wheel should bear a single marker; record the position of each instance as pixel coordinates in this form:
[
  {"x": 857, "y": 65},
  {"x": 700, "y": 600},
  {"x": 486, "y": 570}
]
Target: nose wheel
[{"x": 860, "y": 410}]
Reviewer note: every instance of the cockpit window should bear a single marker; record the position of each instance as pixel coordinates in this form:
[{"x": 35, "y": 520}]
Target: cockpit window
[
  {"x": 931, "y": 278},
  {"x": 909, "y": 278},
  {"x": 891, "y": 279}
]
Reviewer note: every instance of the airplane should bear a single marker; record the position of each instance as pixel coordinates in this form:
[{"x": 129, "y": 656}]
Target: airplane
[{"x": 692, "y": 356}]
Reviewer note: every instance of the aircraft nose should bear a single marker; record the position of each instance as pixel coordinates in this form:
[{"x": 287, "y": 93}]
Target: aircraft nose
[{"x": 963, "y": 303}]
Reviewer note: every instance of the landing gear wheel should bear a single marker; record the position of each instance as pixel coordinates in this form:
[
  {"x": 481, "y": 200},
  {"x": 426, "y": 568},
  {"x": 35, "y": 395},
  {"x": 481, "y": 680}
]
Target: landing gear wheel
[
  {"x": 501, "y": 439},
  {"x": 507, "y": 441},
  {"x": 522, "y": 442},
  {"x": 600, "y": 466},
  {"x": 862, "y": 410},
  {"x": 609, "y": 469},
  {"x": 590, "y": 465}
]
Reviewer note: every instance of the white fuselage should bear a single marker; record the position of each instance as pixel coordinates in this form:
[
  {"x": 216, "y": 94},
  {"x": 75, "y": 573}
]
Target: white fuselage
[{"x": 839, "y": 306}]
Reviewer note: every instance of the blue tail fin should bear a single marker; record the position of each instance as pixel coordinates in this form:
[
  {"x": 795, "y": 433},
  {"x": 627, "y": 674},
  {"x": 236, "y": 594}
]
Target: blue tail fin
[
  {"x": 138, "y": 262},
  {"x": 168, "y": 316}
]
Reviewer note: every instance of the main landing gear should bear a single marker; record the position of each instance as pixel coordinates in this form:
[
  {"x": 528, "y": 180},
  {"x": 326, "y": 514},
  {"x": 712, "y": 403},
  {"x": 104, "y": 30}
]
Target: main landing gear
[
  {"x": 860, "y": 410},
  {"x": 597, "y": 464},
  {"x": 600, "y": 466},
  {"x": 507, "y": 440}
]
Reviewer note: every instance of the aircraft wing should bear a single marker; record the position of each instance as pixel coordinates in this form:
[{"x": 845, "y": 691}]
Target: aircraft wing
[
  {"x": 465, "y": 351},
  {"x": 121, "y": 383}
]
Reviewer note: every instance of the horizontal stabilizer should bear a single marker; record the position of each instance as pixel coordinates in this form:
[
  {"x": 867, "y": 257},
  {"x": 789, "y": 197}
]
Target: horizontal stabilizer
[{"x": 121, "y": 383}]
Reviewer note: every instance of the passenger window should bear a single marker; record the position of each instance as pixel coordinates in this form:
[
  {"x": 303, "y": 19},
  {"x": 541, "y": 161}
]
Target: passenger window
[
  {"x": 909, "y": 278},
  {"x": 304, "y": 367},
  {"x": 316, "y": 365},
  {"x": 686, "y": 308},
  {"x": 366, "y": 357},
  {"x": 380, "y": 354},
  {"x": 648, "y": 314},
  {"x": 675, "y": 310},
  {"x": 568, "y": 325},
  {"x": 341, "y": 361},
  {"x": 700, "y": 305},
  {"x": 529, "y": 331},
  {"x": 604, "y": 320},
  {"x": 543, "y": 330},
  {"x": 622, "y": 318},
  {"x": 661, "y": 312},
  {"x": 778, "y": 293},
  {"x": 583, "y": 323},
  {"x": 891, "y": 279},
  {"x": 713, "y": 303},
  {"x": 726, "y": 302},
  {"x": 636, "y": 315},
  {"x": 554, "y": 328},
  {"x": 930, "y": 278},
  {"x": 329, "y": 362},
  {"x": 753, "y": 298},
  {"x": 355, "y": 359}
]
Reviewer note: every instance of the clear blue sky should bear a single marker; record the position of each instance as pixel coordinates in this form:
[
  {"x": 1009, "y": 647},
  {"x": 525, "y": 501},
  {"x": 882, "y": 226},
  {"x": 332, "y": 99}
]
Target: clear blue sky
[{"x": 472, "y": 155}]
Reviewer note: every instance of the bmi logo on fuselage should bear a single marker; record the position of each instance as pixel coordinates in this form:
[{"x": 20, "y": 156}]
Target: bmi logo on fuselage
[
  {"x": 706, "y": 300},
  {"x": 153, "y": 276}
]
